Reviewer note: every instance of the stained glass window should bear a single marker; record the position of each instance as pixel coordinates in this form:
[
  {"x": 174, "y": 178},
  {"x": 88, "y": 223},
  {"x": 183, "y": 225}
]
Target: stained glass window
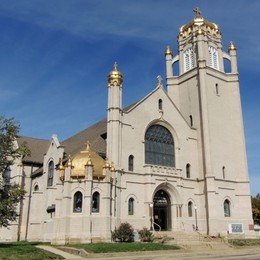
[
  {"x": 131, "y": 206},
  {"x": 77, "y": 202},
  {"x": 159, "y": 146},
  {"x": 227, "y": 208},
  {"x": 95, "y": 202},
  {"x": 50, "y": 173}
]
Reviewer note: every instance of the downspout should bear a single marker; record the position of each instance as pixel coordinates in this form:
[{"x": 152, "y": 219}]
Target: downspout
[{"x": 29, "y": 205}]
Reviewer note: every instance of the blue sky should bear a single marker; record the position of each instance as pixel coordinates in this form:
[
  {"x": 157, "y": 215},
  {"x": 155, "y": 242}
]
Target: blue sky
[{"x": 55, "y": 56}]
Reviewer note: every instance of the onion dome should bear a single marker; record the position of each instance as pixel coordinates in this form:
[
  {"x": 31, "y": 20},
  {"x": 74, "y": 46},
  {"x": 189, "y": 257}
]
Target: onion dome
[
  {"x": 168, "y": 51},
  {"x": 200, "y": 24},
  {"x": 115, "y": 77},
  {"x": 232, "y": 47}
]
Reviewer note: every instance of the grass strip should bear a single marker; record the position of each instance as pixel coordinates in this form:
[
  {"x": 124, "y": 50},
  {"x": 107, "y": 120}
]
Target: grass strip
[
  {"x": 123, "y": 247},
  {"x": 24, "y": 250}
]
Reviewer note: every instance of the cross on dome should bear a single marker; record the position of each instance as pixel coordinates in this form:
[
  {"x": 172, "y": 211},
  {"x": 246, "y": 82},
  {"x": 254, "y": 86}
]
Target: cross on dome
[{"x": 197, "y": 12}]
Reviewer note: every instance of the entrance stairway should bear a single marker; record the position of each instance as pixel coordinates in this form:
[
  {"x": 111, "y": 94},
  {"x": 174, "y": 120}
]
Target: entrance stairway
[{"x": 191, "y": 240}]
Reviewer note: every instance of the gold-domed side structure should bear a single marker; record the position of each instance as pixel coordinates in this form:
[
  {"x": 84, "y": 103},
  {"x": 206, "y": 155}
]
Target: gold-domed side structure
[
  {"x": 85, "y": 158},
  {"x": 115, "y": 77}
]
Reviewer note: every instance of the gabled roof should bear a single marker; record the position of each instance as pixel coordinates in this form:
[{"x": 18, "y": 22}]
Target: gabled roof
[
  {"x": 95, "y": 134},
  {"x": 38, "y": 148}
]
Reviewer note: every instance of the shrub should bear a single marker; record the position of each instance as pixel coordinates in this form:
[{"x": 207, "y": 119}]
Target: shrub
[
  {"x": 125, "y": 233},
  {"x": 145, "y": 235}
]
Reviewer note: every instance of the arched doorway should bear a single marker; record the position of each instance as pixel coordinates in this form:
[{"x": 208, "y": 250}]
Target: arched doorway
[{"x": 162, "y": 211}]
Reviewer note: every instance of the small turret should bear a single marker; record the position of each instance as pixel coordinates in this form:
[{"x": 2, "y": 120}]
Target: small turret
[{"x": 232, "y": 51}]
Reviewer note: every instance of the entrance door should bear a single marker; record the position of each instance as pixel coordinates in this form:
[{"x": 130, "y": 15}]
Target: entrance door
[{"x": 162, "y": 211}]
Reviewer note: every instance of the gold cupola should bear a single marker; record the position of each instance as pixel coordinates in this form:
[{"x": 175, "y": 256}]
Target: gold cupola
[
  {"x": 86, "y": 158},
  {"x": 200, "y": 25},
  {"x": 115, "y": 77}
]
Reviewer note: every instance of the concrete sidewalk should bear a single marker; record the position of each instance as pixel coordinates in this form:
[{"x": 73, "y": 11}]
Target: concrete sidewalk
[
  {"x": 59, "y": 252},
  {"x": 250, "y": 253}
]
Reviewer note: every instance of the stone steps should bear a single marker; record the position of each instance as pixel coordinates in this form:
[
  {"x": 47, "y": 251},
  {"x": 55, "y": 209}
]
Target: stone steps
[{"x": 191, "y": 240}]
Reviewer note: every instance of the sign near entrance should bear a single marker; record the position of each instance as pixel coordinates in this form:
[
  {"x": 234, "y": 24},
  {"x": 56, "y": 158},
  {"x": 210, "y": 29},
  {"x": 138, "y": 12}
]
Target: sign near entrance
[{"x": 236, "y": 228}]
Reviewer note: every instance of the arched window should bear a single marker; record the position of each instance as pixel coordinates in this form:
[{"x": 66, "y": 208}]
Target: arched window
[
  {"x": 131, "y": 163},
  {"x": 188, "y": 59},
  {"x": 160, "y": 104},
  {"x": 227, "y": 208},
  {"x": 77, "y": 203},
  {"x": 188, "y": 170},
  {"x": 213, "y": 58},
  {"x": 159, "y": 146},
  {"x": 36, "y": 187},
  {"x": 131, "y": 206},
  {"x": 190, "y": 206},
  {"x": 50, "y": 173},
  {"x": 95, "y": 201}
]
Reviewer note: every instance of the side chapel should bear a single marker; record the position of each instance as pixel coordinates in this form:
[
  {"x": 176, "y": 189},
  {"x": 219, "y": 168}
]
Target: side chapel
[{"x": 173, "y": 161}]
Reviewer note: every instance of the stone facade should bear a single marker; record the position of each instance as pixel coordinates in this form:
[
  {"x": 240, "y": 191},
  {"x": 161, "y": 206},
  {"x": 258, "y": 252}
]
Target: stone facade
[{"x": 173, "y": 161}]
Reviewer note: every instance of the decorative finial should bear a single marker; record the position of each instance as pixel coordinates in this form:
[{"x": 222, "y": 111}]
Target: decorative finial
[
  {"x": 197, "y": 12},
  {"x": 69, "y": 163},
  {"x": 107, "y": 165},
  {"x": 115, "y": 77},
  {"x": 168, "y": 51},
  {"x": 112, "y": 169},
  {"x": 232, "y": 46},
  {"x": 60, "y": 167},
  {"x": 159, "y": 81},
  {"x": 88, "y": 146}
]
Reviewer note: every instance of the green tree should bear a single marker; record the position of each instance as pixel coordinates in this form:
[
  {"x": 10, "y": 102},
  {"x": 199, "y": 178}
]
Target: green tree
[
  {"x": 10, "y": 194},
  {"x": 256, "y": 208}
]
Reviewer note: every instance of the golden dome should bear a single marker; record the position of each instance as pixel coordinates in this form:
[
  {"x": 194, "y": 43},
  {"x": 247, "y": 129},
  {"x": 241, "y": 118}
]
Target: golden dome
[
  {"x": 200, "y": 24},
  {"x": 115, "y": 77},
  {"x": 87, "y": 158}
]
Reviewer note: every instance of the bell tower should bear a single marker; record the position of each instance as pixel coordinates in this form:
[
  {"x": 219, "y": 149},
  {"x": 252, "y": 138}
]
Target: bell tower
[
  {"x": 207, "y": 95},
  {"x": 114, "y": 116}
]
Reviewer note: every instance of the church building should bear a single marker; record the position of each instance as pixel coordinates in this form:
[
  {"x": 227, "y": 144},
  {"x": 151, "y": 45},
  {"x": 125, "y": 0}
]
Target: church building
[{"x": 173, "y": 161}]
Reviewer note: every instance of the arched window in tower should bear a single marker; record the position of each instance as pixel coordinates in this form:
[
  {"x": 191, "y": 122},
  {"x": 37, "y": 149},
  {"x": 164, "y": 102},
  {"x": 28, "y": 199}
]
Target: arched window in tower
[
  {"x": 190, "y": 207},
  {"x": 188, "y": 59},
  {"x": 213, "y": 58},
  {"x": 77, "y": 202},
  {"x": 159, "y": 146},
  {"x": 188, "y": 170},
  {"x": 95, "y": 201},
  {"x": 227, "y": 208},
  {"x": 50, "y": 173},
  {"x": 131, "y": 163},
  {"x": 131, "y": 206},
  {"x": 160, "y": 104}
]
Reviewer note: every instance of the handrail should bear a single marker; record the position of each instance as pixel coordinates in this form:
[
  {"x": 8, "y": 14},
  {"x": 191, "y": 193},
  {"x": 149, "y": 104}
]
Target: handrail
[{"x": 157, "y": 225}]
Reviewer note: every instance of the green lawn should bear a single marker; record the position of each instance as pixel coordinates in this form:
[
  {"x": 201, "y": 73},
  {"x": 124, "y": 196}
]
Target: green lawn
[
  {"x": 123, "y": 247},
  {"x": 244, "y": 242},
  {"x": 24, "y": 250}
]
